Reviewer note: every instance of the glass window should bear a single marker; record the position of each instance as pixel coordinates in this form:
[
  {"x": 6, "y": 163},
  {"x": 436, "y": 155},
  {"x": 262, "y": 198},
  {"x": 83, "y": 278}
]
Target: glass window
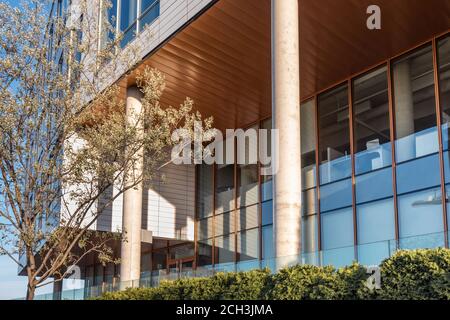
[
  {"x": 224, "y": 223},
  {"x": 415, "y": 108},
  {"x": 334, "y": 135},
  {"x": 128, "y": 16},
  {"x": 247, "y": 173},
  {"x": 204, "y": 190},
  {"x": 204, "y": 252},
  {"x": 224, "y": 248},
  {"x": 205, "y": 228},
  {"x": 248, "y": 244},
  {"x": 150, "y": 11},
  {"x": 376, "y": 229},
  {"x": 224, "y": 188},
  {"x": 444, "y": 81},
  {"x": 309, "y": 202},
  {"x": 159, "y": 259},
  {"x": 267, "y": 242},
  {"x": 337, "y": 229},
  {"x": 418, "y": 174},
  {"x": 309, "y": 234},
  {"x": 374, "y": 185},
  {"x": 266, "y": 181},
  {"x": 420, "y": 219},
  {"x": 308, "y": 144},
  {"x": 267, "y": 212},
  {"x": 371, "y": 117},
  {"x": 248, "y": 218},
  {"x": 336, "y": 195},
  {"x": 337, "y": 237}
]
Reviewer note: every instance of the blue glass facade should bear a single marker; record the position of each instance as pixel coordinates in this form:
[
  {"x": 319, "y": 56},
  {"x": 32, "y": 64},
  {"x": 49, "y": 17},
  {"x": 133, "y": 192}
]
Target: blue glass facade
[{"x": 376, "y": 144}]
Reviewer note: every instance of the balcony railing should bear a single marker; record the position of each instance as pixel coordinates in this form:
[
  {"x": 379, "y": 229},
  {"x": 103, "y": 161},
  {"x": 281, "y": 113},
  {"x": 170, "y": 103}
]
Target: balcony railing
[{"x": 366, "y": 254}]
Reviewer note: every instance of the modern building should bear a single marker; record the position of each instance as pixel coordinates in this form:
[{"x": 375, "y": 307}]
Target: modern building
[{"x": 362, "y": 115}]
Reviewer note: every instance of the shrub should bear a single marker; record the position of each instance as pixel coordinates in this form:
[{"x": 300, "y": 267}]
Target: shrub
[{"x": 418, "y": 274}]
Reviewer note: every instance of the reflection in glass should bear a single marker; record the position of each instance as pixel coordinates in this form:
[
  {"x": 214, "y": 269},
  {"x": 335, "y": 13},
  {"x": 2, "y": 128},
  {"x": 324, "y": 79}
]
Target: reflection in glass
[
  {"x": 420, "y": 213},
  {"x": 334, "y": 135},
  {"x": 224, "y": 223},
  {"x": 337, "y": 229},
  {"x": 224, "y": 188},
  {"x": 267, "y": 213},
  {"x": 248, "y": 244},
  {"x": 444, "y": 87},
  {"x": 309, "y": 234},
  {"x": 266, "y": 180},
  {"x": 418, "y": 174},
  {"x": 376, "y": 221},
  {"x": 204, "y": 252},
  {"x": 415, "y": 109},
  {"x": 309, "y": 202},
  {"x": 204, "y": 190},
  {"x": 248, "y": 218},
  {"x": 224, "y": 249},
  {"x": 248, "y": 175},
  {"x": 308, "y": 144},
  {"x": 205, "y": 228},
  {"x": 267, "y": 242},
  {"x": 371, "y": 116},
  {"x": 374, "y": 185},
  {"x": 336, "y": 195}
]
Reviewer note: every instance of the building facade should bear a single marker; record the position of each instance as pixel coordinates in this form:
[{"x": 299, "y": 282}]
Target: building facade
[{"x": 363, "y": 125}]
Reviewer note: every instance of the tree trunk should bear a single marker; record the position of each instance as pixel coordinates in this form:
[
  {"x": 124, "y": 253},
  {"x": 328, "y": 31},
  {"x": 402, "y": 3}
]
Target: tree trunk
[{"x": 30, "y": 291}]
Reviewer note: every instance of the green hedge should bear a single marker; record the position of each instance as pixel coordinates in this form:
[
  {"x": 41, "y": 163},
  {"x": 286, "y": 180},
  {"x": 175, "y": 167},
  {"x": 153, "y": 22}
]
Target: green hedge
[{"x": 417, "y": 274}]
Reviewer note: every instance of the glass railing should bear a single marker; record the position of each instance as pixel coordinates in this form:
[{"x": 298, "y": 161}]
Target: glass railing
[{"x": 366, "y": 254}]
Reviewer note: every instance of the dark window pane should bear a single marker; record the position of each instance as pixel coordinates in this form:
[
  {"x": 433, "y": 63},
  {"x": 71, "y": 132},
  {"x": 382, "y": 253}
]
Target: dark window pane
[
  {"x": 308, "y": 144},
  {"x": 205, "y": 228},
  {"x": 151, "y": 15},
  {"x": 336, "y": 195},
  {"x": 128, "y": 14},
  {"x": 224, "y": 188},
  {"x": 415, "y": 109},
  {"x": 145, "y": 4},
  {"x": 334, "y": 135},
  {"x": 374, "y": 185},
  {"x": 309, "y": 234},
  {"x": 205, "y": 252},
  {"x": 267, "y": 212},
  {"x": 205, "y": 191},
  {"x": 444, "y": 79},
  {"x": 418, "y": 174},
  {"x": 371, "y": 116}
]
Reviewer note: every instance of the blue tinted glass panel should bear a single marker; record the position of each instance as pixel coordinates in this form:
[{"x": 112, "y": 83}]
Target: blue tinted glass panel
[
  {"x": 338, "y": 257},
  {"x": 418, "y": 174},
  {"x": 336, "y": 195},
  {"x": 376, "y": 221},
  {"x": 370, "y": 254},
  {"x": 267, "y": 212},
  {"x": 420, "y": 213},
  {"x": 145, "y": 4},
  {"x": 266, "y": 188},
  {"x": 373, "y": 186},
  {"x": 444, "y": 78},
  {"x": 337, "y": 229},
  {"x": 447, "y": 166},
  {"x": 267, "y": 242},
  {"x": 150, "y": 16},
  {"x": 417, "y": 145},
  {"x": 128, "y": 14},
  {"x": 128, "y": 36},
  {"x": 376, "y": 156}
]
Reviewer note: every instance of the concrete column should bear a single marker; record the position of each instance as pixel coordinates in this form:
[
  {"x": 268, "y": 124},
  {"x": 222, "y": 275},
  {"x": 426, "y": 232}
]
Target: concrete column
[
  {"x": 130, "y": 267},
  {"x": 286, "y": 118},
  {"x": 57, "y": 290},
  {"x": 404, "y": 111}
]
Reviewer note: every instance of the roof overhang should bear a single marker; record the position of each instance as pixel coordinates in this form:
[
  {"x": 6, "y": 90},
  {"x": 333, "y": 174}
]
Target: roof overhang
[{"x": 222, "y": 60}]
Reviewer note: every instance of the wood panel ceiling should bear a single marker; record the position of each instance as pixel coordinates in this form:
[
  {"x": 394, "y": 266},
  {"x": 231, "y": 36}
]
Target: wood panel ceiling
[{"x": 222, "y": 60}]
